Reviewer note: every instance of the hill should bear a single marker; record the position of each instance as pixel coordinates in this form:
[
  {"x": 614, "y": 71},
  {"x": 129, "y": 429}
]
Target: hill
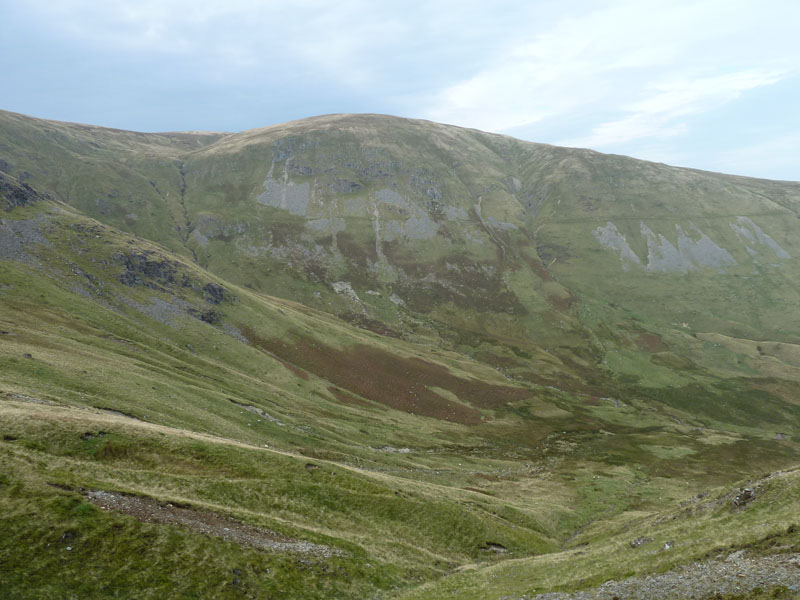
[{"x": 381, "y": 351}]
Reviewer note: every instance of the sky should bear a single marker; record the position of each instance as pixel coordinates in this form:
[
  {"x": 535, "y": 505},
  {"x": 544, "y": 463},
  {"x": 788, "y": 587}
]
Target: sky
[{"x": 708, "y": 84}]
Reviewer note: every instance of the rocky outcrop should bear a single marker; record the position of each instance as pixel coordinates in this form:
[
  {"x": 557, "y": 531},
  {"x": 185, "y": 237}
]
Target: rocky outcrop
[
  {"x": 147, "y": 269},
  {"x": 14, "y": 193}
]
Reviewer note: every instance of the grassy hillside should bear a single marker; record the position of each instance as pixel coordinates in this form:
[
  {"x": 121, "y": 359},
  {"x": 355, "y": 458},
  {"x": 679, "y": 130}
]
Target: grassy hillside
[
  {"x": 129, "y": 180},
  {"x": 359, "y": 356}
]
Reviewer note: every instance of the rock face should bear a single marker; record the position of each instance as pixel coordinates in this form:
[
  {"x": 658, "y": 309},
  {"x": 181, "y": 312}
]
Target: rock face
[
  {"x": 214, "y": 293},
  {"x": 146, "y": 269},
  {"x": 15, "y": 193}
]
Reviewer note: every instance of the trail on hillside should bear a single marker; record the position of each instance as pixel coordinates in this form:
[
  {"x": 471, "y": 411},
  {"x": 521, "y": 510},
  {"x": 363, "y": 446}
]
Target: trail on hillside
[{"x": 149, "y": 510}]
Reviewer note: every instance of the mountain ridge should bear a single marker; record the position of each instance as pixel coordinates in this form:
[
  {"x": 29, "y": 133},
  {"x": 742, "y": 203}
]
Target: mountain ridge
[
  {"x": 345, "y": 116},
  {"x": 425, "y": 348}
]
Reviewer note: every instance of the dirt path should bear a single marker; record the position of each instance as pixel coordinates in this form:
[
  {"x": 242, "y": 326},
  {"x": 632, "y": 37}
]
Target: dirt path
[
  {"x": 149, "y": 510},
  {"x": 737, "y": 575}
]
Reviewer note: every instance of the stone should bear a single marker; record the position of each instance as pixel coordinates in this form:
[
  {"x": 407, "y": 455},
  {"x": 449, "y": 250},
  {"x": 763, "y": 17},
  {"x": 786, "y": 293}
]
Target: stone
[{"x": 744, "y": 497}]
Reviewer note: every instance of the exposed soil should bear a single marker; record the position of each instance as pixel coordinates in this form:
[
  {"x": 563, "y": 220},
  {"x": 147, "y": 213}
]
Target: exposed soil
[
  {"x": 24, "y": 398},
  {"x": 735, "y": 576},
  {"x": 149, "y": 510}
]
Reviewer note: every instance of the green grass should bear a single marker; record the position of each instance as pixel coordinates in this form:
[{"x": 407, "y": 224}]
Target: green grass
[
  {"x": 584, "y": 403},
  {"x": 698, "y": 529}
]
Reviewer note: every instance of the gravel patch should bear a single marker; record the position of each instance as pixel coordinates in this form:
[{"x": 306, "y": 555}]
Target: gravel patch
[
  {"x": 17, "y": 235},
  {"x": 234, "y": 332},
  {"x": 734, "y": 575},
  {"x": 166, "y": 313},
  {"x": 25, "y": 398},
  {"x": 258, "y": 411},
  {"x": 149, "y": 510}
]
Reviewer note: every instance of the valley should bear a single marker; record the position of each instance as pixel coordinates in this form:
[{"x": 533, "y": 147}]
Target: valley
[{"x": 360, "y": 356}]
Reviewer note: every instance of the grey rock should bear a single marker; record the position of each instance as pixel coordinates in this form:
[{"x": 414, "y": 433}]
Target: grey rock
[
  {"x": 744, "y": 497},
  {"x": 344, "y": 186},
  {"x": 640, "y": 541},
  {"x": 662, "y": 256},
  {"x": 610, "y": 237},
  {"x": 17, "y": 194},
  {"x": 703, "y": 252},
  {"x": 287, "y": 195},
  {"x": 18, "y": 235},
  {"x": 214, "y": 293},
  {"x": 750, "y": 232}
]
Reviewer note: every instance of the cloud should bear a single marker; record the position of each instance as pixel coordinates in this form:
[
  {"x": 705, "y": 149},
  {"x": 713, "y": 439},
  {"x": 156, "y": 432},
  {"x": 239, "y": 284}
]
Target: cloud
[
  {"x": 649, "y": 62},
  {"x": 369, "y": 46},
  {"x": 659, "y": 113},
  {"x": 234, "y": 33}
]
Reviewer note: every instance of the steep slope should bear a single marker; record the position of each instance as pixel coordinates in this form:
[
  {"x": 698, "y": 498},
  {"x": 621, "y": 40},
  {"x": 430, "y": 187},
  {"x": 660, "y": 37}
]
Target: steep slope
[
  {"x": 517, "y": 253},
  {"x": 128, "y": 370},
  {"x": 126, "y": 179}
]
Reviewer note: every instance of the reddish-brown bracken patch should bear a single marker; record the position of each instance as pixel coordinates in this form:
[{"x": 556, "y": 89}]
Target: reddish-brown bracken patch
[
  {"x": 370, "y": 324},
  {"x": 395, "y": 381},
  {"x": 537, "y": 267},
  {"x": 650, "y": 342},
  {"x": 348, "y": 398},
  {"x": 562, "y": 303},
  {"x": 263, "y": 345}
]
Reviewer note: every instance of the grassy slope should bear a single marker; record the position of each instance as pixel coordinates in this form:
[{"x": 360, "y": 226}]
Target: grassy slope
[
  {"x": 536, "y": 470},
  {"x": 185, "y": 440},
  {"x": 698, "y": 528},
  {"x": 486, "y": 462},
  {"x": 129, "y": 180}
]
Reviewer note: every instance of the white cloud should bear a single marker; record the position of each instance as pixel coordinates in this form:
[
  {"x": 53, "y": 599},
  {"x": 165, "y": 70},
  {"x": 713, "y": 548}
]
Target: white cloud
[
  {"x": 242, "y": 30},
  {"x": 345, "y": 42},
  {"x": 659, "y": 113},
  {"x": 646, "y": 61}
]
